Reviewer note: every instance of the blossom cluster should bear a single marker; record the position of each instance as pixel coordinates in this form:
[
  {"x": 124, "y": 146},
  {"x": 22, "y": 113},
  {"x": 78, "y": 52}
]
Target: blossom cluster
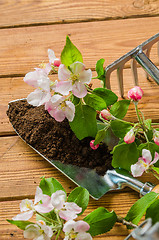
[
  {"x": 64, "y": 211},
  {"x": 55, "y": 95}
]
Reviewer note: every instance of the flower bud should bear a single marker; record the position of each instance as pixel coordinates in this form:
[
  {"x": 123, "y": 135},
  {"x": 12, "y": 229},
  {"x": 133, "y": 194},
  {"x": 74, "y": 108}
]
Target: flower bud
[
  {"x": 106, "y": 114},
  {"x": 129, "y": 137},
  {"x": 135, "y": 93},
  {"x": 156, "y": 137},
  {"x": 57, "y": 62},
  {"x": 94, "y": 147}
]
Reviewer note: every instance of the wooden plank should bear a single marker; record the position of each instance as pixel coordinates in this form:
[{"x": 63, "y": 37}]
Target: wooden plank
[
  {"x": 48, "y": 12},
  {"x": 15, "y": 88},
  {"x": 21, "y": 169},
  {"x": 22, "y": 49}
]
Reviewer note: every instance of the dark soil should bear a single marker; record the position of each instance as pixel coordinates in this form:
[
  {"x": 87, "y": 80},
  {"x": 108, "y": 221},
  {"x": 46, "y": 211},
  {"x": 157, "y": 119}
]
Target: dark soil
[{"x": 55, "y": 140}]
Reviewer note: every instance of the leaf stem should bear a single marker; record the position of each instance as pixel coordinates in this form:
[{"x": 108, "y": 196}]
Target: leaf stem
[
  {"x": 47, "y": 218},
  {"x": 124, "y": 222},
  {"x": 58, "y": 234}
]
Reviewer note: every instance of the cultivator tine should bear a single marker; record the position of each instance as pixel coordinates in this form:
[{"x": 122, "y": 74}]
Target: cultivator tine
[
  {"x": 134, "y": 71},
  {"x": 120, "y": 80},
  {"x": 139, "y": 54}
]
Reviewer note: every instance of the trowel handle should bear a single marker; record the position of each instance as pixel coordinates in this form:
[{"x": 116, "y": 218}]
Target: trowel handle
[{"x": 121, "y": 178}]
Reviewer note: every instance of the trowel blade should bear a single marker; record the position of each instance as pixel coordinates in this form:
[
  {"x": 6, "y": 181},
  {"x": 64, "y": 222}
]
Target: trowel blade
[{"x": 96, "y": 184}]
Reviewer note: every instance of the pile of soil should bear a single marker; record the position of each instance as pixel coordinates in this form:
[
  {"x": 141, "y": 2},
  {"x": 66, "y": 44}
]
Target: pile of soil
[{"x": 55, "y": 140}]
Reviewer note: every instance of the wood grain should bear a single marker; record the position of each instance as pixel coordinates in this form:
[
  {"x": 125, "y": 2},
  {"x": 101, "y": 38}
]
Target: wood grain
[
  {"x": 22, "y": 49},
  {"x": 32, "y": 12}
]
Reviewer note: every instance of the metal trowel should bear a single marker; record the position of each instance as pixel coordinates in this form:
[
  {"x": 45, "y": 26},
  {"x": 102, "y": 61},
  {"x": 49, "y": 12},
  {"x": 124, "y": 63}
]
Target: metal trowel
[{"x": 97, "y": 185}]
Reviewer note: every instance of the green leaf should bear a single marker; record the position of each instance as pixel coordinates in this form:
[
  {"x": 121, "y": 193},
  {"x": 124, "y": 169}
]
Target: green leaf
[
  {"x": 124, "y": 155},
  {"x": 148, "y": 122},
  {"x": 156, "y": 169},
  {"x": 120, "y": 128},
  {"x": 100, "y": 69},
  {"x": 75, "y": 100},
  {"x": 153, "y": 212},
  {"x": 95, "y": 101},
  {"x": 139, "y": 208},
  {"x": 50, "y": 185},
  {"x": 110, "y": 139},
  {"x": 152, "y": 147},
  {"x": 70, "y": 53},
  {"x": 100, "y": 221},
  {"x": 20, "y": 224},
  {"x": 84, "y": 123},
  {"x": 107, "y": 95},
  {"x": 101, "y": 134},
  {"x": 120, "y": 108},
  {"x": 80, "y": 196},
  {"x": 46, "y": 216}
]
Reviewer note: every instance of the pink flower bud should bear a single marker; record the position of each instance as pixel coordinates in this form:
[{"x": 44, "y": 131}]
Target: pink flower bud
[
  {"x": 94, "y": 147},
  {"x": 106, "y": 114},
  {"x": 156, "y": 137},
  {"x": 129, "y": 137},
  {"x": 57, "y": 62},
  {"x": 135, "y": 93}
]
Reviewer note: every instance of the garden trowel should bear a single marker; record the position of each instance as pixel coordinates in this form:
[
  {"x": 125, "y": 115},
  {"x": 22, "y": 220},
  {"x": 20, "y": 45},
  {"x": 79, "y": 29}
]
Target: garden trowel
[{"x": 98, "y": 185}]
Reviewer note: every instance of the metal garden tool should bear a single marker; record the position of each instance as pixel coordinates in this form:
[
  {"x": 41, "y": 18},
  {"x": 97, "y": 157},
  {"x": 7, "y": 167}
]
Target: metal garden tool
[
  {"x": 146, "y": 231},
  {"x": 98, "y": 185},
  {"x": 139, "y": 54}
]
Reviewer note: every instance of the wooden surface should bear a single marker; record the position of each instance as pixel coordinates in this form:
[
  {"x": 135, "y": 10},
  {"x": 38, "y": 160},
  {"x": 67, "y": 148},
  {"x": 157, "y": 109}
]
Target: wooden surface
[{"x": 100, "y": 29}]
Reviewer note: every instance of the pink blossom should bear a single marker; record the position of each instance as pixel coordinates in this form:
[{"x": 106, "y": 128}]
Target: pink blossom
[
  {"x": 106, "y": 114},
  {"x": 52, "y": 58},
  {"x": 143, "y": 163},
  {"x": 38, "y": 231},
  {"x": 66, "y": 210},
  {"x": 76, "y": 230},
  {"x": 73, "y": 79},
  {"x": 40, "y": 80},
  {"x": 129, "y": 137},
  {"x": 28, "y": 208},
  {"x": 60, "y": 109},
  {"x": 135, "y": 93},
  {"x": 94, "y": 147},
  {"x": 156, "y": 137}
]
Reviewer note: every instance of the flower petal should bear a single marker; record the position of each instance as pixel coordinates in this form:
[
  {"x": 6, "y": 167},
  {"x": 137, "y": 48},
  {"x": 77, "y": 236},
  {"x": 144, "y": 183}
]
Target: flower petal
[
  {"x": 63, "y": 73},
  {"x": 67, "y": 215},
  {"x": 51, "y": 56},
  {"x": 84, "y": 236},
  {"x": 137, "y": 169},
  {"x": 32, "y": 231},
  {"x": 79, "y": 90},
  {"x": 68, "y": 226},
  {"x": 71, "y": 206},
  {"x": 24, "y": 216},
  {"x": 156, "y": 158},
  {"x": 58, "y": 198},
  {"x": 43, "y": 208},
  {"x": 77, "y": 67},
  {"x": 146, "y": 156},
  {"x": 25, "y": 205},
  {"x": 38, "y": 97},
  {"x": 58, "y": 114},
  {"x": 86, "y": 76},
  {"x": 31, "y": 78},
  {"x": 48, "y": 68},
  {"x": 70, "y": 111},
  {"x": 81, "y": 226},
  {"x": 38, "y": 195},
  {"x": 64, "y": 87}
]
